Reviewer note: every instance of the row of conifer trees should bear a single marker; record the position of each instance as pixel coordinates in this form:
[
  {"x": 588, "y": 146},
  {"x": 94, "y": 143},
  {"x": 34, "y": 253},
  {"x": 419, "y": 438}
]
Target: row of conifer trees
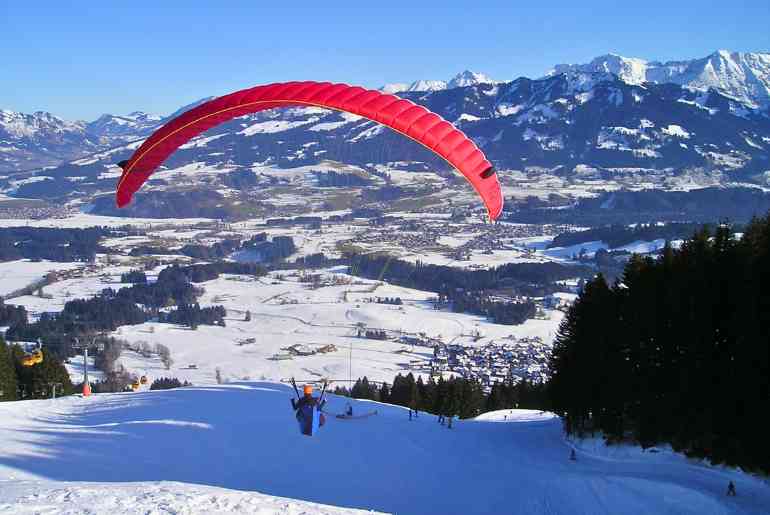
[{"x": 676, "y": 351}]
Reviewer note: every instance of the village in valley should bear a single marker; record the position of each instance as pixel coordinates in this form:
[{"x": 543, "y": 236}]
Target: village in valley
[{"x": 317, "y": 316}]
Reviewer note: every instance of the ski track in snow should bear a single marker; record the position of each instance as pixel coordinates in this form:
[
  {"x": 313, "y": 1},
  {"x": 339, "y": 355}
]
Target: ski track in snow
[{"x": 175, "y": 451}]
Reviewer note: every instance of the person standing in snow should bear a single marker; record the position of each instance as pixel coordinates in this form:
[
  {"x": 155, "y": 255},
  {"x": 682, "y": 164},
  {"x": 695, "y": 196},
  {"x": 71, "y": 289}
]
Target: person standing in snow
[
  {"x": 449, "y": 422},
  {"x": 572, "y": 455},
  {"x": 731, "y": 489},
  {"x": 305, "y": 407}
]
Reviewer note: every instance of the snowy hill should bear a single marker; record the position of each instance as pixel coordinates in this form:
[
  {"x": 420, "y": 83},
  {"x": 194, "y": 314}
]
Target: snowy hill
[{"x": 177, "y": 450}]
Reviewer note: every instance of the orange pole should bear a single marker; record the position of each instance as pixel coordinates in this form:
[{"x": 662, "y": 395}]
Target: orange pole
[{"x": 86, "y": 384}]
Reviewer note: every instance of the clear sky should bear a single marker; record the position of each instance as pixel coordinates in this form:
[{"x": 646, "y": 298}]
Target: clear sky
[{"x": 81, "y": 59}]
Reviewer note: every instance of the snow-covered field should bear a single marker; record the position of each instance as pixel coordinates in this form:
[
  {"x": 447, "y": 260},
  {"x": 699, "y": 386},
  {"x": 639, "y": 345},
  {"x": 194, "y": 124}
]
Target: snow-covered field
[
  {"x": 59, "y": 293},
  {"x": 15, "y": 275},
  {"x": 285, "y": 312},
  {"x": 83, "y": 220},
  {"x": 236, "y": 449}
]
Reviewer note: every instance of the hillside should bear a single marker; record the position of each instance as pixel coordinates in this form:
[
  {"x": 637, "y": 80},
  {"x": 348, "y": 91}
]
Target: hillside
[{"x": 243, "y": 437}]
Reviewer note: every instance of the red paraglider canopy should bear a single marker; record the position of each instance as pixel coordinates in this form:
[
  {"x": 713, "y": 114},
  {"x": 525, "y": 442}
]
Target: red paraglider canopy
[{"x": 401, "y": 115}]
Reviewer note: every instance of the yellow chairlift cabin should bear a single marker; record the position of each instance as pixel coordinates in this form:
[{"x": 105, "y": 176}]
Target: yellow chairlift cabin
[
  {"x": 32, "y": 359},
  {"x": 135, "y": 385}
]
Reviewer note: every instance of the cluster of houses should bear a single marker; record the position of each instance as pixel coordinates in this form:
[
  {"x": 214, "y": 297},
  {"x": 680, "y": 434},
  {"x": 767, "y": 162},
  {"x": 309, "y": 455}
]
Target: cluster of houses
[
  {"x": 421, "y": 234},
  {"x": 36, "y": 213},
  {"x": 493, "y": 362},
  {"x": 522, "y": 358},
  {"x": 301, "y": 349}
]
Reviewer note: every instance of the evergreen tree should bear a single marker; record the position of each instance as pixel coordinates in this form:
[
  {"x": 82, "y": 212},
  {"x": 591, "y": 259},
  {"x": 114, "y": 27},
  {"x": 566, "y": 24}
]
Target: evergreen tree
[
  {"x": 384, "y": 394},
  {"x": 8, "y": 385},
  {"x": 676, "y": 351}
]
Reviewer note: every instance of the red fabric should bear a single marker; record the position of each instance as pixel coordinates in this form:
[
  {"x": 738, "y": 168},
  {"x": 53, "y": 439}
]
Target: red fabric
[{"x": 399, "y": 114}]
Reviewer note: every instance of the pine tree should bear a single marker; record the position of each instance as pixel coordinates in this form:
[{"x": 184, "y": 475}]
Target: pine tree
[
  {"x": 676, "y": 351},
  {"x": 384, "y": 393},
  {"x": 8, "y": 384}
]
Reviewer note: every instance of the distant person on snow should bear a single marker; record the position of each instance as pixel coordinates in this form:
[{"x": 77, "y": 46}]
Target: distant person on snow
[
  {"x": 572, "y": 455},
  {"x": 349, "y": 410},
  {"x": 304, "y": 410},
  {"x": 731, "y": 489}
]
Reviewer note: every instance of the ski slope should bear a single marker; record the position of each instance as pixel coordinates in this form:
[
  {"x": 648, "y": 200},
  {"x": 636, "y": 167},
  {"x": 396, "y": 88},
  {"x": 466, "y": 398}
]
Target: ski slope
[{"x": 176, "y": 451}]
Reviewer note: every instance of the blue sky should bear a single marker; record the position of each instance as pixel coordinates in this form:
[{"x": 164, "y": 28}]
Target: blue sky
[{"x": 81, "y": 59}]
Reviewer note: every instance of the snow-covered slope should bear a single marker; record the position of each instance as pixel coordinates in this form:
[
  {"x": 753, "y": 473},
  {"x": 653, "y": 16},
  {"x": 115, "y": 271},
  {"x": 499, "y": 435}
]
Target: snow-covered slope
[
  {"x": 199, "y": 440},
  {"x": 744, "y": 76},
  {"x": 168, "y": 497}
]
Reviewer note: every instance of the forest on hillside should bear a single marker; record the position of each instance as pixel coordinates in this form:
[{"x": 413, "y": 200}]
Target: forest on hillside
[
  {"x": 472, "y": 291},
  {"x": 675, "y": 351},
  {"x": 53, "y": 244}
]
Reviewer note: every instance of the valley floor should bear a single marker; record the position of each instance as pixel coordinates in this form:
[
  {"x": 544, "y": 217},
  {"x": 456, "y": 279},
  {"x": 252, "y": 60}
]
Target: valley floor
[{"x": 174, "y": 451}]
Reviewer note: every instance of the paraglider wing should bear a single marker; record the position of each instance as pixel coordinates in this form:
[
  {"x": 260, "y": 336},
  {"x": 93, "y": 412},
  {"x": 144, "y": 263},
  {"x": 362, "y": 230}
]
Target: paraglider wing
[{"x": 401, "y": 115}]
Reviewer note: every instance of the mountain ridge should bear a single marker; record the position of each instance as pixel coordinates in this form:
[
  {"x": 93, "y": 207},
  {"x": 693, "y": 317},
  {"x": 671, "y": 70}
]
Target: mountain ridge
[
  {"x": 576, "y": 122},
  {"x": 744, "y": 76}
]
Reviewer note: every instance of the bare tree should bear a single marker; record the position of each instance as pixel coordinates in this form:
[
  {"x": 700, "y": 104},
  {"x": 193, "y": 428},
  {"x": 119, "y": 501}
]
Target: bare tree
[
  {"x": 145, "y": 350},
  {"x": 115, "y": 381},
  {"x": 165, "y": 355},
  {"x": 107, "y": 357}
]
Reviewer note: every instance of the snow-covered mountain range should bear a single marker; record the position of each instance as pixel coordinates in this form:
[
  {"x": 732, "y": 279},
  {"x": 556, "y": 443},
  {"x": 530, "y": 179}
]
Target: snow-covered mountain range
[
  {"x": 126, "y": 127},
  {"x": 742, "y": 76},
  {"x": 461, "y": 80},
  {"x": 610, "y": 117},
  {"x": 40, "y": 139}
]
